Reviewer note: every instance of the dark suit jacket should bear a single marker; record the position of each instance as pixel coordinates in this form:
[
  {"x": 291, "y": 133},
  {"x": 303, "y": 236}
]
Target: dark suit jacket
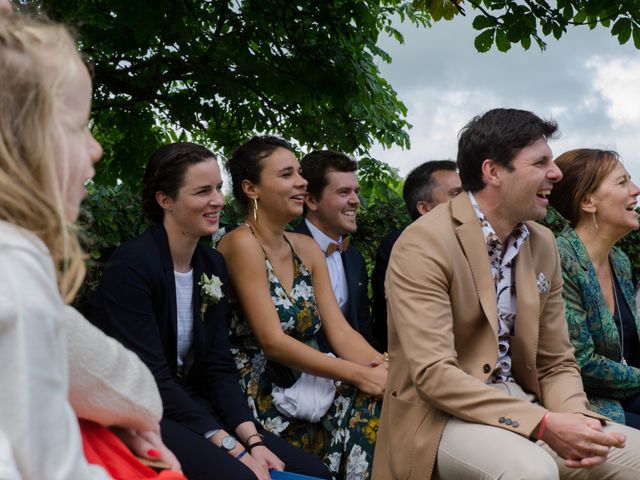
[
  {"x": 357, "y": 311},
  {"x": 377, "y": 286},
  {"x": 136, "y": 304}
]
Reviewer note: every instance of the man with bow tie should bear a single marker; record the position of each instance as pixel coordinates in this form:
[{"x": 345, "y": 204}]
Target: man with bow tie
[
  {"x": 330, "y": 216},
  {"x": 483, "y": 383}
]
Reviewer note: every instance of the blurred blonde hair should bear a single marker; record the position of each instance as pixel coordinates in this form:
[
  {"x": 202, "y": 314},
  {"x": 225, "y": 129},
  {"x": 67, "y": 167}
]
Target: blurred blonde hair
[{"x": 38, "y": 59}]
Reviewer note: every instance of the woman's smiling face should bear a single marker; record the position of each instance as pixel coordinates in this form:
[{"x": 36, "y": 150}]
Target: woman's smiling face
[{"x": 197, "y": 206}]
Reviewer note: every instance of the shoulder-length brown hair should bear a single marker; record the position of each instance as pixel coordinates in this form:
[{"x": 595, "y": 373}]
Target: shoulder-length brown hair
[{"x": 583, "y": 170}]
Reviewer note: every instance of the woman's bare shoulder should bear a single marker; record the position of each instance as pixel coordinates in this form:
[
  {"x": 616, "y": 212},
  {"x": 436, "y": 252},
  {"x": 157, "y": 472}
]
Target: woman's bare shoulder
[
  {"x": 239, "y": 240},
  {"x": 306, "y": 247}
]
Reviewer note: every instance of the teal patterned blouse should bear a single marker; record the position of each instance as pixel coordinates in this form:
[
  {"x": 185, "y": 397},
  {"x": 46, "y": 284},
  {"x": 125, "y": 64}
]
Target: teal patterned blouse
[{"x": 592, "y": 328}]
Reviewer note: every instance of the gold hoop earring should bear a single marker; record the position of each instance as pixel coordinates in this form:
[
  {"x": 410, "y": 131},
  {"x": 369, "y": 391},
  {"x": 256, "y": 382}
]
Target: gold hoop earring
[
  {"x": 595, "y": 224},
  {"x": 255, "y": 209}
]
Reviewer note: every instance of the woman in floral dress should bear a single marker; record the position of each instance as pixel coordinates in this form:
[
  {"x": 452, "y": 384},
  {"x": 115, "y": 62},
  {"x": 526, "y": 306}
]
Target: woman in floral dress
[{"x": 283, "y": 299}]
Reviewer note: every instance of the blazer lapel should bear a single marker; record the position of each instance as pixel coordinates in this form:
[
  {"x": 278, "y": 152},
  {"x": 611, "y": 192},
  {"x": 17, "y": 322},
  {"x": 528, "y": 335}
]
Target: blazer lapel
[
  {"x": 523, "y": 344},
  {"x": 160, "y": 236},
  {"x": 198, "y": 325},
  {"x": 352, "y": 289},
  {"x": 302, "y": 228},
  {"x": 475, "y": 249}
]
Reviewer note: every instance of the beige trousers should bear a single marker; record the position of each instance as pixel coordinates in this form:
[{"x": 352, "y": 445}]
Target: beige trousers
[{"x": 470, "y": 451}]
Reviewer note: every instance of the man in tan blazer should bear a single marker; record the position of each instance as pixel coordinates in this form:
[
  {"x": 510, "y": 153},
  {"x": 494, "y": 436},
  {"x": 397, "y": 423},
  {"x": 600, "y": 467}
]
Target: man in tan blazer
[{"x": 482, "y": 379}]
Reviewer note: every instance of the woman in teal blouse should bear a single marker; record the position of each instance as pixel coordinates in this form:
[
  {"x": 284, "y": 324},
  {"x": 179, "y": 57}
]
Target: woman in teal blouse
[{"x": 598, "y": 198}]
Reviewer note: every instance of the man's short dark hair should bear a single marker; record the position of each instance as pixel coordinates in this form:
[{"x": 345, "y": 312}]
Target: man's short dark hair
[
  {"x": 315, "y": 166},
  {"x": 419, "y": 184},
  {"x": 498, "y": 135}
]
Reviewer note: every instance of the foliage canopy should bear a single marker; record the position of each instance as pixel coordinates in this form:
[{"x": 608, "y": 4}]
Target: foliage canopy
[
  {"x": 219, "y": 71},
  {"x": 223, "y": 70},
  {"x": 505, "y": 22}
]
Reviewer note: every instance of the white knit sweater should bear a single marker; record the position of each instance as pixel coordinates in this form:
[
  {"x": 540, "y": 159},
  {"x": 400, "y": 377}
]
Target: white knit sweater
[{"x": 43, "y": 343}]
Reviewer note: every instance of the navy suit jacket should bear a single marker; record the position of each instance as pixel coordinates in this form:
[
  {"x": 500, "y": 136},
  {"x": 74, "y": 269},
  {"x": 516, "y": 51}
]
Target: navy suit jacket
[
  {"x": 136, "y": 304},
  {"x": 357, "y": 312},
  {"x": 377, "y": 286}
]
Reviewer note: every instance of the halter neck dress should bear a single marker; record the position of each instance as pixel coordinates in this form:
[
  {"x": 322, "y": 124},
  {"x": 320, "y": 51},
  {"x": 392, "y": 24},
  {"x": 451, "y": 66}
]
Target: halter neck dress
[{"x": 345, "y": 437}]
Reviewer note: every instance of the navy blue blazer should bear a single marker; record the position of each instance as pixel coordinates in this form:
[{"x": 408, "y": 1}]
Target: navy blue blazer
[
  {"x": 383, "y": 254},
  {"x": 357, "y": 311},
  {"x": 136, "y": 304}
]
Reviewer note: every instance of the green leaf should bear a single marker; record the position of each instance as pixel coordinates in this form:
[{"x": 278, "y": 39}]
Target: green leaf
[
  {"x": 580, "y": 16},
  {"x": 515, "y": 32},
  {"x": 625, "y": 35},
  {"x": 567, "y": 12},
  {"x": 484, "y": 41},
  {"x": 525, "y": 42},
  {"x": 502, "y": 41},
  {"x": 622, "y": 29},
  {"x": 636, "y": 36},
  {"x": 557, "y": 31},
  {"x": 481, "y": 22},
  {"x": 617, "y": 27}
]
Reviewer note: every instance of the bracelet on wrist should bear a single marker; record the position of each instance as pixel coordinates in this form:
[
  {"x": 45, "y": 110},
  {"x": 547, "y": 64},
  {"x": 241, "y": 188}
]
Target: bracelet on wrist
[
  {"x": 543, "y": 426},
  {"x": 259, "y": 435},
  {"x": 256, "y": 444}
]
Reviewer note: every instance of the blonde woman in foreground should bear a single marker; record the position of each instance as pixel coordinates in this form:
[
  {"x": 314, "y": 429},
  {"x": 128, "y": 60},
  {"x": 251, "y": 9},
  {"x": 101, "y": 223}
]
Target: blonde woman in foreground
[{"x": 53, "y": 361}]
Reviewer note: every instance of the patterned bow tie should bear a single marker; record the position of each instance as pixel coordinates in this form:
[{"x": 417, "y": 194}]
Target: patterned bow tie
[{"x": 337, "y": 247}]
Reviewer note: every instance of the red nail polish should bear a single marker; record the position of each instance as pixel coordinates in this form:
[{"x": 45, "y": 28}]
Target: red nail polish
[{"x": 152, "y": 452}]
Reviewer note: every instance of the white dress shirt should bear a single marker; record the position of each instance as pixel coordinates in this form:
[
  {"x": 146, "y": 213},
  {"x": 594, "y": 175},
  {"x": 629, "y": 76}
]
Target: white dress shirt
[{"x": 334, "y": 263}]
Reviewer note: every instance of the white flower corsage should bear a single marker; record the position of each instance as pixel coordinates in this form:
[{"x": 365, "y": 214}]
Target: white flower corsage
[{"x": 210, "y": 292}]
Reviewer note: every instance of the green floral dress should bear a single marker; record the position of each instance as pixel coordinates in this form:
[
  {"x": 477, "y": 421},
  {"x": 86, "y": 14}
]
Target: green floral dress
[{"x": 346, "y": 435}]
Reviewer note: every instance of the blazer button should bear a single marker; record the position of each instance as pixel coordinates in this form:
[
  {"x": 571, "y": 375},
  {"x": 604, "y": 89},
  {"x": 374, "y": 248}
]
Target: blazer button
[
  {"x": 508, "y": 421},
  {"x": 515, "y": 424},
  {"x": 486, "y": 368},
  {"x": 501, "y": 420}
]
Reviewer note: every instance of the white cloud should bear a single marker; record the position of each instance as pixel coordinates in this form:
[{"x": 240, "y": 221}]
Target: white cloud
[
  {"x": 437, "y": 117},
  {"x": 617, "y": 80},
  {"x": 586, "y": 81}
]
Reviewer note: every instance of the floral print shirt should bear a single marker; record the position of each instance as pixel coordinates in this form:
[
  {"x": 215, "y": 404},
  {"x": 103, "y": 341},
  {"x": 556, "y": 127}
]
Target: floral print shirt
[{"x": 502, "y": 258}]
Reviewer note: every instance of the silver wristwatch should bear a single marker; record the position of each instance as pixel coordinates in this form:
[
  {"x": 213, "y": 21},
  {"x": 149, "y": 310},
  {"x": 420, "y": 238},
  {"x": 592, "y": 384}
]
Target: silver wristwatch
[{"x": 229, "y": 443}]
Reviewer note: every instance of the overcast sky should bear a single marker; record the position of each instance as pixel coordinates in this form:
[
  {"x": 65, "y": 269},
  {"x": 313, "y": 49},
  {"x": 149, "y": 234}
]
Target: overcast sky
[{"x": 586, "y": 81}]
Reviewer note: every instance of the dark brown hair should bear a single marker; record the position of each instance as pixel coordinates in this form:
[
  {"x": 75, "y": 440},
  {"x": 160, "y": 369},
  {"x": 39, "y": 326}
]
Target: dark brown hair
[
  {"x": 165, "y": 173},
  {"x": 498, "y": 134},
  {"x": 315, "y": 166},
  {"x": 245, "y": 163}
]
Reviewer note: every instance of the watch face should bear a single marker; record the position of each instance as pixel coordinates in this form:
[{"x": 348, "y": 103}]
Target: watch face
[{"x": 228, "y": 442}]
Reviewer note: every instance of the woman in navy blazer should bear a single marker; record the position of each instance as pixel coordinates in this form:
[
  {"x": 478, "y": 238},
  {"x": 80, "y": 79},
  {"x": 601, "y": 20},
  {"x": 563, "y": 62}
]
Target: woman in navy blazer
[{"x": 153, "y": 299}]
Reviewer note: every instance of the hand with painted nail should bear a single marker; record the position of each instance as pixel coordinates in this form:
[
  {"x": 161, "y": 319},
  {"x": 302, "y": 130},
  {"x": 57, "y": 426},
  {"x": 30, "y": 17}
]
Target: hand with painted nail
[{"x": 148, "y": 445}]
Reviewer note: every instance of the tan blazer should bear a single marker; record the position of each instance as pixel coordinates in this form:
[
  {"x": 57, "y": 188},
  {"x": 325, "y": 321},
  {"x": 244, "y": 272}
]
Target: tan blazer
[{"x": 443, "y": 342}]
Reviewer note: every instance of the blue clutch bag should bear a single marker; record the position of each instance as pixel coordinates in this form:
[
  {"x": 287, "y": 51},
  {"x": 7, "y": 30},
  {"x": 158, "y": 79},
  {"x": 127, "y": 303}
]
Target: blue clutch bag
[{"x": 276, "y": 475}]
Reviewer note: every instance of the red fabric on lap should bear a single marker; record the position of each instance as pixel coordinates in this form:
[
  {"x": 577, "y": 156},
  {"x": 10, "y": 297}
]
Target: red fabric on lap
[{"x": 102, "y": 447}]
